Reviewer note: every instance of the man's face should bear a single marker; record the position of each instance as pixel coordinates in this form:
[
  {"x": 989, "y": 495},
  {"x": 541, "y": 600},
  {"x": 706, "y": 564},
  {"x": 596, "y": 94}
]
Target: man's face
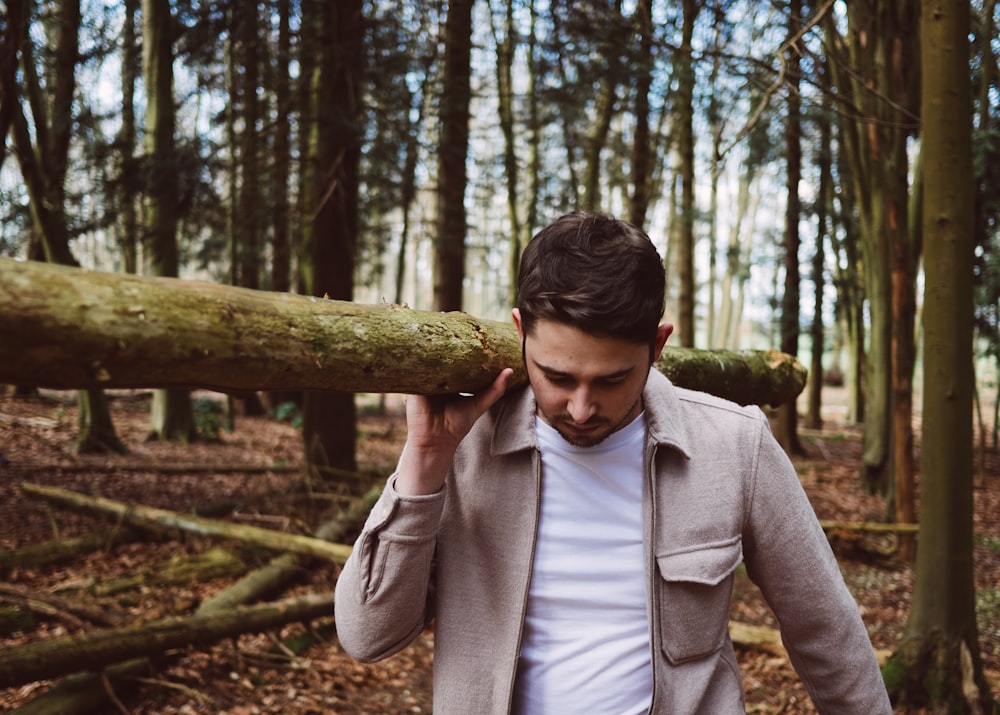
[{"x": 586, "y": 386}]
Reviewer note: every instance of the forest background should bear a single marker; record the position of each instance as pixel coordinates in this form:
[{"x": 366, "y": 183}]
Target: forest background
[{"x": 779, "y": 154}]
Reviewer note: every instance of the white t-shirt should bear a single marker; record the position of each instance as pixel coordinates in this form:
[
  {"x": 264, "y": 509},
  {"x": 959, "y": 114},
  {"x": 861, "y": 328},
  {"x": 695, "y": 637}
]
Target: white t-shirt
[{"x": 586, "y": 646}]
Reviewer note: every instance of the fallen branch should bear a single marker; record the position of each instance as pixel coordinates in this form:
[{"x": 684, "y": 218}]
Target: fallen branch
[
  {"x": 147, "y": 516},
  {"x": 89, "y": 651},
  {"x": 59, "y": 550},
  {"x": 84, "y": 693},
  {"x": 877, "y": 527},
  {"x": 67, "y": 328},
  {"x": 46, "y": 604}
]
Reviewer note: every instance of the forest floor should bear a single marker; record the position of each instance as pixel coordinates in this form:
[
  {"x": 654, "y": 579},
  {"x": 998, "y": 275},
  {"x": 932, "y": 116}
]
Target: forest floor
[{"x": 254, "y": 469}]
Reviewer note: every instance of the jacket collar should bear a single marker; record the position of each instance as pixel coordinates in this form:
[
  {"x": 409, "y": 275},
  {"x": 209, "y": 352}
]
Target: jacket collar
[{"x": 514, "y": 418}]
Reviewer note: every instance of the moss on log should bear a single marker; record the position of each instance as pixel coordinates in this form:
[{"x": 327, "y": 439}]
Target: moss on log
[{"x": 67, "y": 328}]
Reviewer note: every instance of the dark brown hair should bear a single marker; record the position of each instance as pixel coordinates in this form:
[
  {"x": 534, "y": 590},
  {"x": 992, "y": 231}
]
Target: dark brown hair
[{"x": 596, "y": 273}]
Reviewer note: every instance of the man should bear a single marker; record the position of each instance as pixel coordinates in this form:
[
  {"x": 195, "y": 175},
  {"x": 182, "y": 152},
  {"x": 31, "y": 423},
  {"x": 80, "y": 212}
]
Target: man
[{"x": 575, "y": 543}]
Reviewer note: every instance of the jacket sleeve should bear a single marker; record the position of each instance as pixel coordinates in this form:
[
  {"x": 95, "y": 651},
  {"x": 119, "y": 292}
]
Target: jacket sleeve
[
  {"x": 382, "y": 597},
  {"x": 789, "y": 558}
]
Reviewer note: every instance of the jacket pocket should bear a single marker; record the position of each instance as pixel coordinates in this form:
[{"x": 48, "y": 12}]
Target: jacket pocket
[{"x": 695, "y": 591}]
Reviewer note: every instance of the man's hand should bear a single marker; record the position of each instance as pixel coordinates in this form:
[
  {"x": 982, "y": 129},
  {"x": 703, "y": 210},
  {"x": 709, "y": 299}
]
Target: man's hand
[{"x": 435, "y": 425}]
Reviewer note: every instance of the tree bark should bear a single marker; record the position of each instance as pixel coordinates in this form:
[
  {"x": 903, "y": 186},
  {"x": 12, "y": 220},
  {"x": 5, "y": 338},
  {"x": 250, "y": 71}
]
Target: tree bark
[
  {"x": 938, "y": 663},
  {"x": 68, "y": 328},
  {"x": 59, "y": 656},
  {"x": 685, "y": 148},
  {"x": 786, "y": 429},
  {"x": 172, "y": 416},
  {"x": 147, "y": 516}
]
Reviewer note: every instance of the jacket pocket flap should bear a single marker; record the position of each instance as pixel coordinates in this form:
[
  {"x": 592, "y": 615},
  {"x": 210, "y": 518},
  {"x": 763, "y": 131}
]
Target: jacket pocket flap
[{"x": 707, "y": 564}]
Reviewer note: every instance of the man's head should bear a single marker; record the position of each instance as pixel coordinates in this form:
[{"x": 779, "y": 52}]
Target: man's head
[
  {"x": 593, "y": 272},
  {"x": 591, "y": 297}
]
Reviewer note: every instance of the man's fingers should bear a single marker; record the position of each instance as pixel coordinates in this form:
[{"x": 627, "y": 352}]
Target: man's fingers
[{"x": 486, "y": 398}]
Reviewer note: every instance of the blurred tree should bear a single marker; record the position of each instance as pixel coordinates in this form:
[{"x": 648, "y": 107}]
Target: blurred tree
[
  {"x": 330, "y": 224},
  {"x": 453, "y": 147},
  {"x": 786, "y": 429},
  {"x": 873, "y": 68},
  {"x": 44, "y": 164},
  {"x": 173, "y": 418},
  {"x": 684, "y": 68},
  {"x": 127, "y": 181},
  {"x": 938, "y": 664}
]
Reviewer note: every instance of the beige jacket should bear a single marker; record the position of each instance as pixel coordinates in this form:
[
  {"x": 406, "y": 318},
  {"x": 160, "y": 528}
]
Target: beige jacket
[{"x": 720, "y": 492}]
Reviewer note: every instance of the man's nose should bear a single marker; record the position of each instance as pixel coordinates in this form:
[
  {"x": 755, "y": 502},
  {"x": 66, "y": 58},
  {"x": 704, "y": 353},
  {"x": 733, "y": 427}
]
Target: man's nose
[{"x": 581, "y": 405}]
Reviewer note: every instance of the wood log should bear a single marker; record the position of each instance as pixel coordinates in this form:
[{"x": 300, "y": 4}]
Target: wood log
[
  {"x": 67, "y": 328},
  {"x": 59, "y": 550},
  {"x": 875, "y": 527},
  {"x": 147, "y": 516},
  {"x": 89, "y": 651}
]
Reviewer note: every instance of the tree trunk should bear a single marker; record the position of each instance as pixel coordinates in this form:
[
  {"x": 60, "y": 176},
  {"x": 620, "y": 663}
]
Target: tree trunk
[
  {"x": 878, "y": 59},
  {"x": 331, "y": 231},
  {"x": 172, "y": 417},
  {"x": 67, "y": 654},
  {"x": 43, "y": 166},
  {"x": 938, "y": 662},
  {"x": 506, "y": 44},
  {"x": 456, "y": 95},
  {"x": 119, "y": 330},
  {"x": 128, "y": 176},
  {"x": 642, "y": 145},
  {"x": 685, "y": 147},
  {"x": 786, "y": 429},
  {"x": 281, "y": 257},
  {"x": 814, "y": 418}
]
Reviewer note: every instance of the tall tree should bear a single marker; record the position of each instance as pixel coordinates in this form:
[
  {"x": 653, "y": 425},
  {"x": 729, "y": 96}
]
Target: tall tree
[
  {"x": 173, "y": 418},
  {"x": 281, "y": 257},
  {"x": 642, "y": 149},
  {"x": 331, "y": 219},
  {"x": 871, "y": 70},
  {"x": 824, "y": 164},
  {"x": 128, "y": 183},
  {"x": 12, "y": 23},
  {"x": 938, "y": 662},
  {"x": 786, "y": 430},
  {"x": 506, "y": 44},
  {"x": 453, "y": 149},
  {"x": 44, "y": 164},
  {"x": 685, "y": 71},
  {"x": 250, "y": 215},
  {"x": 610, "y": 28}
]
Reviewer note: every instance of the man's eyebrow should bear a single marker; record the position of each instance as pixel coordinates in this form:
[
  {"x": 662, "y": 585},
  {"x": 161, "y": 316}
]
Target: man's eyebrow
[{"x": 609, "y": 376}]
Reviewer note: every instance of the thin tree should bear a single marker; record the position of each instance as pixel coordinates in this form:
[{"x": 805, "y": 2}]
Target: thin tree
[
  {"x": 506, "y": 44},
  {"x": 824, "y": 160},
  {"x": 685, "y": 71},
  {"x": 938, "y": 662},
  {"x": 173, "y": 418},
  {"x": 128, "y": 181},
  {"x": 453, "y": 149},
  {"x": 786, "y": 429},
  {"x": 281, "y": 261}
]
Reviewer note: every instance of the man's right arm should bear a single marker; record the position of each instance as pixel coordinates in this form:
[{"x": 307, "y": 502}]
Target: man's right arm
[
  {"x": 382, "y": 601},
  {"x": 382, "y": 595}
]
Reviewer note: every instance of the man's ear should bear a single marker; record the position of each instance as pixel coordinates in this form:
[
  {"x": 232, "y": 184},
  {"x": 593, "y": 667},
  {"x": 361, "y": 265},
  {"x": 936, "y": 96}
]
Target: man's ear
[
  {"x": 516, "y": 314},
  {"x": 662, "y": 333}
]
